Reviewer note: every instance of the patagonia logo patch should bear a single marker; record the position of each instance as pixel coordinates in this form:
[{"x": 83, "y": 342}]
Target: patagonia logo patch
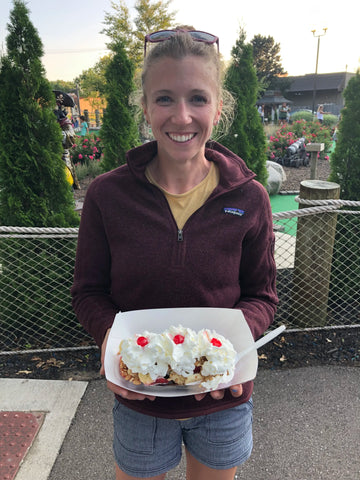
[{"x": 234, "y": 211}]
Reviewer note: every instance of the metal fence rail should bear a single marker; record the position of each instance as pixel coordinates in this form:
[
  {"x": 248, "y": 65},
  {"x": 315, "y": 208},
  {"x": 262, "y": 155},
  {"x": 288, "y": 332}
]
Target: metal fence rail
[{"x": 317, "y": 281}]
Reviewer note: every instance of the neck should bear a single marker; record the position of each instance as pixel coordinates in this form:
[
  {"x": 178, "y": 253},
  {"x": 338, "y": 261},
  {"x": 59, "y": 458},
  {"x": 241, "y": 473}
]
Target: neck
[{"x": 179, "y": 178}]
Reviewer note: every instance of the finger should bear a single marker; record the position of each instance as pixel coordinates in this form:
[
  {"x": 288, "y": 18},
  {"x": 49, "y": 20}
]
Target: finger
[
  {"x": 217, "y": 394},
  {"x": 128, "y": 394},
  {"x": 236, "y": 390},
  {"x": 199, "y": 396}
]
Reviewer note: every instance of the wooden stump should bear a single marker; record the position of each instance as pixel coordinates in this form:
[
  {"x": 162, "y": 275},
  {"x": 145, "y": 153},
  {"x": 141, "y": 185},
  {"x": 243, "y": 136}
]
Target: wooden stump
[
  {"x": 313, "y": 256},
  {"x": 314, "y": 149}
]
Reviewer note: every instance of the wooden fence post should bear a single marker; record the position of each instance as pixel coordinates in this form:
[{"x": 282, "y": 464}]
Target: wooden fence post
[
  {"x": 313, "y": 256},
  {"x": 314, "y": 149}
]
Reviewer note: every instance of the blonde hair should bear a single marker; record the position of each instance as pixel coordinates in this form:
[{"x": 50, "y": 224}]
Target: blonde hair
[{"x": 180, "y": 46}]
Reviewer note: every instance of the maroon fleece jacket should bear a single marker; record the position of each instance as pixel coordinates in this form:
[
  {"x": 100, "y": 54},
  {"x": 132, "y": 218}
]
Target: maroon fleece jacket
[{"x": 132, "y": 256}]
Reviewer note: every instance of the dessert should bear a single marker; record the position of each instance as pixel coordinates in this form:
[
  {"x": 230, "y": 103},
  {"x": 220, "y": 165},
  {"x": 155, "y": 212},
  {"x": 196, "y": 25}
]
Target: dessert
[{"x": 179, "y": 355}]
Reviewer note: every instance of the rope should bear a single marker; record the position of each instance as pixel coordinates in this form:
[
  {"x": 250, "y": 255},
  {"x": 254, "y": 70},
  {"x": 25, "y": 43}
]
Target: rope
[
  {"x": 49, "y": 350},
  {"x": 319, "y": 206},
  {"x": 348, "y": 203},
  {"x": 38, "y": 232}
]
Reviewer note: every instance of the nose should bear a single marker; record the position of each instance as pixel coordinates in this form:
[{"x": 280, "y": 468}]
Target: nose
[{"x": 182, "y": 113}]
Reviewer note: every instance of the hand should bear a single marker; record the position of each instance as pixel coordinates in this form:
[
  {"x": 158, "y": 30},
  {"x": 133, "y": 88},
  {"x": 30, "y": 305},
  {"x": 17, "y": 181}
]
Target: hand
[
  {"x": 128, "y": 394},
  {"x": 236, "y": 391},
  {"x": 122, "y": 392},
  {"x": 103, "y": 348}
]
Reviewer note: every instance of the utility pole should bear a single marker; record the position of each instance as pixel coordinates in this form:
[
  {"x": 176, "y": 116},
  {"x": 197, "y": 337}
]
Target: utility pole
[{"x": 316, "y": 67}]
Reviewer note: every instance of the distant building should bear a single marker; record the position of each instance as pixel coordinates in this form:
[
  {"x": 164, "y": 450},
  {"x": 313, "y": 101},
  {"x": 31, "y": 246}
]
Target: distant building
[{"x": 328, "y": 89}]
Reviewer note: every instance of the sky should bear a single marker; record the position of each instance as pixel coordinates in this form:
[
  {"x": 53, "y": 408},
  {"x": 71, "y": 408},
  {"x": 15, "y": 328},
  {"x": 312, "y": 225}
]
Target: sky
[{"x": 70, "y": 32}]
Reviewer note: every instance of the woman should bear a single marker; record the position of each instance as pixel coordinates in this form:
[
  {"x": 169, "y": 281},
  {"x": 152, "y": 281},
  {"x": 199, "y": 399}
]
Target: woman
[
  {"x": 182, "y": 224},
  {"x": 320, "y": 113},
  {"x": 84, "y": 126}
]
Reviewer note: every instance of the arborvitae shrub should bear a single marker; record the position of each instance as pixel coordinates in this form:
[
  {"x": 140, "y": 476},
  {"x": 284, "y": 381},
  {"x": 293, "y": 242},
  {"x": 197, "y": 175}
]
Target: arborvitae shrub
[
  {"x": 119, "y": 132},
  {"x": 246, "y": 135}
]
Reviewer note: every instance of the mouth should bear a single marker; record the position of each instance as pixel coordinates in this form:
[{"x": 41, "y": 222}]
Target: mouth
[{"x": 183, "y": 138}]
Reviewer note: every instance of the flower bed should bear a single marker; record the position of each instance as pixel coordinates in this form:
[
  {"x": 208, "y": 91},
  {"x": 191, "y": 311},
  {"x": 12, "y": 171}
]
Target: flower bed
[
  {"x": 87, "y": 149},
  {"x": 287, "y": 134}
]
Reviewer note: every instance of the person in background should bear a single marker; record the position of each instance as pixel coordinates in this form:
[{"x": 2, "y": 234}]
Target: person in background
[
  {"x": 284, "y": 112},
  {"x": 261, "y": 111},
  {"x": 320, "y": 113},
  {"x": 183, "y": 223},
  {"x": 274, "y": 114},
  {"x": 84, "y": 126}
]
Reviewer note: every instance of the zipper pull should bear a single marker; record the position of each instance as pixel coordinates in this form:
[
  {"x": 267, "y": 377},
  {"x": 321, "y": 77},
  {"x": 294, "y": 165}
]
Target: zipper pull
[{"x": 180, "y": 236}]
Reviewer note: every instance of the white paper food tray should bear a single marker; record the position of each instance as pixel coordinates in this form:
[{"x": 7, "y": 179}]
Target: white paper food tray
[{"x": 227, "y": 322}]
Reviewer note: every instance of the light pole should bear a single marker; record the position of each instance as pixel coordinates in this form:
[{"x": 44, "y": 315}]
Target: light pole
[{"x": 316, "y": 67}]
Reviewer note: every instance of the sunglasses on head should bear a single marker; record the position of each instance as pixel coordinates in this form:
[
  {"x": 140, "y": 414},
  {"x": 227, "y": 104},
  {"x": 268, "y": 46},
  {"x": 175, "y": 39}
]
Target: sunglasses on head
[{"x": 196, "y": 35}]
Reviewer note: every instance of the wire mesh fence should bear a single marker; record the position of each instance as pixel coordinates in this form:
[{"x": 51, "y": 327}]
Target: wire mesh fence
[{"x": 317, "y": 253}]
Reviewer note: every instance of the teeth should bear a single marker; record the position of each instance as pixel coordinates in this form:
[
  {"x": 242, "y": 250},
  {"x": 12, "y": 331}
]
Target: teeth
[{"x": 181, "y": 138}]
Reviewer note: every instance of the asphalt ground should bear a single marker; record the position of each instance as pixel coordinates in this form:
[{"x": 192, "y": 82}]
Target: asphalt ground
[{"x": 306, "y": 426}]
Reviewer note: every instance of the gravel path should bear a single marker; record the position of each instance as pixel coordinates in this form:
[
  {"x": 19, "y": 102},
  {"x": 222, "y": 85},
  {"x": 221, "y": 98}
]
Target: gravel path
[{"x": 296, "y": 175}]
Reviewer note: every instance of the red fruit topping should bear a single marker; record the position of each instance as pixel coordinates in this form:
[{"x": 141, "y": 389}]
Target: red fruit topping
[
  {"x": 178, "y": 339},
  {"x": 216, "y": 342},
  {"x": 161, "y": 380},
  {"x": 142, "y": 341},
  {"x": 197, "y": 369}
]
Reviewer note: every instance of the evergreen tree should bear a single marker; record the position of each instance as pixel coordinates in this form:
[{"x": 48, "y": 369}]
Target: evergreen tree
[
  {"x": 246, "y": 135},
  {"x": 345, "y": 170},
  {"x": 267, "y": 60},
  {"x": 119, "y": 131},
  {"x": 33, "y": 186},
  {"x": 345, "y": 161}
]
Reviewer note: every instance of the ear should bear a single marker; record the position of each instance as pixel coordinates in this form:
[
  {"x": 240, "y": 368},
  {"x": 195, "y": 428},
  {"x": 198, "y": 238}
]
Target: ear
[
  {"x": 218, "y": 113},
  {"x": 145, "y": 111}
]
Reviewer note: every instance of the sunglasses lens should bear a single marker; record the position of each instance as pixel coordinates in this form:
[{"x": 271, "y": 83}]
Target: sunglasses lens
[
  {"x": 203, "y": 37},
  {"x": 161, "y": 36}
]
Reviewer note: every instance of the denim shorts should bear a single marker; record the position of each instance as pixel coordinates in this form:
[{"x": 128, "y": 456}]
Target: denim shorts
[{"x": 146, "y": 446}]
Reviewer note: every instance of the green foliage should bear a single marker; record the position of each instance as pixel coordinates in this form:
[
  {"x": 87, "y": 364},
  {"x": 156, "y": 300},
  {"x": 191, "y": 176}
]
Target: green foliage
[
  {"x": 32, "y": 270},
  {"x": 330, "y": 120},
  {"x": 62, "y": 85},
  {"x": 33, "y": 186},
  {"x": 91, "y": 169},
  {"x": 345, "y": 170},
  {"x": 246, "y": 136},
  {"x": 290, "y": 133},
  {"x": 86, "y": 149},
  {"x": 151, "y": 16},
  {"x": 119, "y": 131},
  {"x": 92, "y": 81},
  {"x": 302, "y": 115},
  {"x": 345, "y": 162},
  {"x": 267, "y": 59},
  {"x": 345, "y": 269}
]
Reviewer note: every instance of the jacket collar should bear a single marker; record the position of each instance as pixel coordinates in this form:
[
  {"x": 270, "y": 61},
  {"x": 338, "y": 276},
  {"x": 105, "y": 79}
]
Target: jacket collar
[{"x": 233, "y": 170}]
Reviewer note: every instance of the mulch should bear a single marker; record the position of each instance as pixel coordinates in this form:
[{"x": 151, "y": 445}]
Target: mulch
[{"x": 338, "y": 346}]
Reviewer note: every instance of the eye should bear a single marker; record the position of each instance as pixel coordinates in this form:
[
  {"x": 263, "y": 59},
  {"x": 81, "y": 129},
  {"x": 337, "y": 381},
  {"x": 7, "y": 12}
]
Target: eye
[
  {"x": 199, "y": 99},
  {"x": 163, "y": 100}
]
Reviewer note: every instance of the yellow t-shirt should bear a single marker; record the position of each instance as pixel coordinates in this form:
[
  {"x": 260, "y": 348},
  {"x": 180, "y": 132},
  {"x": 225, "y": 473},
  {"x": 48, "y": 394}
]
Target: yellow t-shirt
[{"x": 183, "y": 205}]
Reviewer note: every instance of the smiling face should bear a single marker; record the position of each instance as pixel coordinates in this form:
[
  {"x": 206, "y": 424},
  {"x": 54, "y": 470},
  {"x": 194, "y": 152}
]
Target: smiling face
[{"x": 181, "y": 105}]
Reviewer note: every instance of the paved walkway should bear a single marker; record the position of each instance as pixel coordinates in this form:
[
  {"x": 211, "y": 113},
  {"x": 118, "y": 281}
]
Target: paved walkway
[{"x": 306, "y": 427}]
